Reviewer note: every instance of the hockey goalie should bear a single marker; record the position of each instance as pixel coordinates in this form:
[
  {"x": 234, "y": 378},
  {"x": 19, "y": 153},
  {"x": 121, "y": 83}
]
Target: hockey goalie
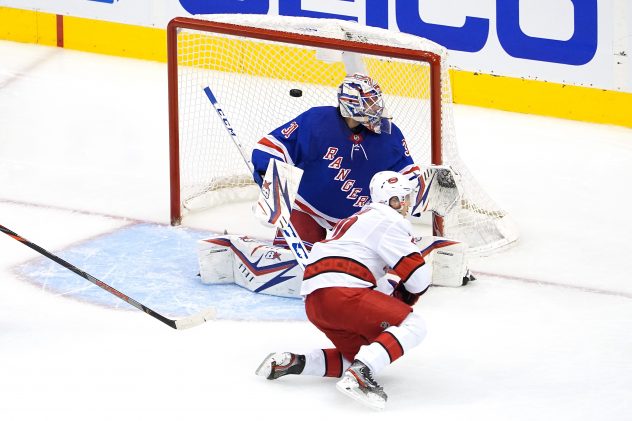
[{"x": 262, "y": 267}]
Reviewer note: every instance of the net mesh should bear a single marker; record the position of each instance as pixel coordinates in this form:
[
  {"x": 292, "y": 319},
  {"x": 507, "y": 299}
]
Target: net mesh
[{"x": 252, "y": 80}]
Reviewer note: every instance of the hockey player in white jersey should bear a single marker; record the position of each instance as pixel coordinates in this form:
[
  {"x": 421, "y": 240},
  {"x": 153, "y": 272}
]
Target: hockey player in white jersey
[{"x": 346, "y": 296}]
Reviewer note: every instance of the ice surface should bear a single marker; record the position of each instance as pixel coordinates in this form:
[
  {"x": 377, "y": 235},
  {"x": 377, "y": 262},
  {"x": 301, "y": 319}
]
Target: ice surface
[{"x": 545, "y": 332}]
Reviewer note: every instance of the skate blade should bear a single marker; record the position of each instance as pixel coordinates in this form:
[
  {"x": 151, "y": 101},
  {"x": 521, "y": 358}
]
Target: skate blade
[
  {"x": 265, "y": 368},
  {"x": 351, "y": 389}
]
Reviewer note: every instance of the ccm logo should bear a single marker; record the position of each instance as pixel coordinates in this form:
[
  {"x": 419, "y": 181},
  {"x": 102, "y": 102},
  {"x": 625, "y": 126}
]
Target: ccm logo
[{"x": 579, "y": 49}]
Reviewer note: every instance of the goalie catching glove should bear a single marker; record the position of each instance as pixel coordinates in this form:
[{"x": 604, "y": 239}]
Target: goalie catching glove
[{"x": 439, "y": 190}]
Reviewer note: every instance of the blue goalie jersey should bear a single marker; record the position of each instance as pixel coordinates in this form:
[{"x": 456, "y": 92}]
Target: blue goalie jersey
[{"x": 337, "y": 163}]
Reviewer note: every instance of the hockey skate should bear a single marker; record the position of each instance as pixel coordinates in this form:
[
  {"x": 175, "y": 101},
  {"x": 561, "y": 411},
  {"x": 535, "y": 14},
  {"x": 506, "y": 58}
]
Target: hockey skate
[
  {"x": 279, "y": 364},
  {"x": 468, "y": 277},
  {"x": 357, "y": 382}
]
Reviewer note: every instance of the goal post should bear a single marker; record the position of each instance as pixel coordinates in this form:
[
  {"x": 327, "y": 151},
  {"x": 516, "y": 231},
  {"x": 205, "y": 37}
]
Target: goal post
[{"x": 252, "y": 62}]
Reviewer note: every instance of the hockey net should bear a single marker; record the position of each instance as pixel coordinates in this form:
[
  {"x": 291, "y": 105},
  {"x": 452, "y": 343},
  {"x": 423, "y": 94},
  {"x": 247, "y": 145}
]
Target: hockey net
[{"x": 252, "y": 62}]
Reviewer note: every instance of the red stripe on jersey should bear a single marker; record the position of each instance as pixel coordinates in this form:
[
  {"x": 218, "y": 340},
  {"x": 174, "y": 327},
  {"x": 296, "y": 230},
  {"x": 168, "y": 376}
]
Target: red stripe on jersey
[
  {"x": 391, "y": 345},
  {"x": 407, "y": 265},
  {"x": 333, "y": 362},
  {"x": 339, "y": 265},
  {"x": 266, "y": 142}
]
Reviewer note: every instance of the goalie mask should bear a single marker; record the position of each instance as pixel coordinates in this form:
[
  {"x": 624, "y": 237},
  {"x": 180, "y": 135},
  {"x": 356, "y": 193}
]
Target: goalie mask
[
  {"x": 360, "y": 98},
  {"x": 388, "y": 184}
]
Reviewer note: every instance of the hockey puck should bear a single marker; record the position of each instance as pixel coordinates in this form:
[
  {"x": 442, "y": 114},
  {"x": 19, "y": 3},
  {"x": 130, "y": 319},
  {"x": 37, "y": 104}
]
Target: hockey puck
[{"x": 296, "y": 93}]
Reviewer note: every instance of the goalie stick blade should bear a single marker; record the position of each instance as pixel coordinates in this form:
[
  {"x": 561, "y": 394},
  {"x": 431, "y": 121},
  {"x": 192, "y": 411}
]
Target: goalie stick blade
[{"x": 196, "y": 319}]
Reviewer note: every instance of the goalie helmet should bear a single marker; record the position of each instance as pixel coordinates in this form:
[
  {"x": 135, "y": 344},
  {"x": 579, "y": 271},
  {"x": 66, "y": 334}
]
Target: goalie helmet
[
  {"x": 360, "y": 98},
  {"x": 388, "y": 184}
]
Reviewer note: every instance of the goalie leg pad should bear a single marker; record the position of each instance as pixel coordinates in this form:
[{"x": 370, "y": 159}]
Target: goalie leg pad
[
  {"x": 253, "y": 264},
  {"x": 264, "y": 268},
  {"x": 448, "y": 259},
  {"x": 215, "y": 259}
]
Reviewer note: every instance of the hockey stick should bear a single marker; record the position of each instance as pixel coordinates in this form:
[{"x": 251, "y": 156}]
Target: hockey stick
[
  {"x": 183, "y": 323},
  {"x": 289, "y": 233}
]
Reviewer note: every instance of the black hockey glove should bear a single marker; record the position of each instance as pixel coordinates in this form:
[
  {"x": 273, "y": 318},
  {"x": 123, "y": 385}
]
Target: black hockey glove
[{"x": 402, "y": 294}]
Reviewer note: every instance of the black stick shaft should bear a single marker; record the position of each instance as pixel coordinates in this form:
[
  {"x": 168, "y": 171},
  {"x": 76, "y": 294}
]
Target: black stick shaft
[{"x": 87, "y": 276}]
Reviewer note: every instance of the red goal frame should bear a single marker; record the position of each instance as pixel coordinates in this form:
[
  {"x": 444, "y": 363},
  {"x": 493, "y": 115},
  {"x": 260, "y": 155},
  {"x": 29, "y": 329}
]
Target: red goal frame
[{"x": 432, "y": 59}]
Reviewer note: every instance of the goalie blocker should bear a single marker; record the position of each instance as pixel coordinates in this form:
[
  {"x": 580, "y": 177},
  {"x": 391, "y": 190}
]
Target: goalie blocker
[{"x": 261, "y": 267}]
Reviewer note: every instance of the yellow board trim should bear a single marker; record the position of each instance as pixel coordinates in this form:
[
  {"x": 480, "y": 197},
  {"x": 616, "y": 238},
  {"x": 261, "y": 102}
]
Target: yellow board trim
[
  {"x": 483, "y": 90},
  {"x": 28, "y": 26},
  {"x": 542, "y": 98},
  {"x": 116, "y": 39}
]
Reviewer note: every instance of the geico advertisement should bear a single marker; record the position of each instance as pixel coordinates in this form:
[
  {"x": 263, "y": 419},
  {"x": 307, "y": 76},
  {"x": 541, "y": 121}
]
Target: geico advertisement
[{"x": 580, "y": 42}]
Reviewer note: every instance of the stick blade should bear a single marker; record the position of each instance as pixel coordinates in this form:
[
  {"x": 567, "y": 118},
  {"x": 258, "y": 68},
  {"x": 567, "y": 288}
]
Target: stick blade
[{"x": 196, "y": 319}]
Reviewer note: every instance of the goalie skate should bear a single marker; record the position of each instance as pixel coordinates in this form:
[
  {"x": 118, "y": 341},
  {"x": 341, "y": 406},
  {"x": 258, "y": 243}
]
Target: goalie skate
[
  {"x": 357, "y": 382},
  {"x": 279, "y": 364}
]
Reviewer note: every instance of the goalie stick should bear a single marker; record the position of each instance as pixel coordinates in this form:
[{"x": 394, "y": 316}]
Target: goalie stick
[
  {"x": 183, "y": 323},
  {"x": 289, "y": 233}
]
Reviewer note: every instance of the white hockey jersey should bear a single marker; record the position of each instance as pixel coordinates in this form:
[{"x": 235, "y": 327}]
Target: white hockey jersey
[{"x": 362, "y": 248}]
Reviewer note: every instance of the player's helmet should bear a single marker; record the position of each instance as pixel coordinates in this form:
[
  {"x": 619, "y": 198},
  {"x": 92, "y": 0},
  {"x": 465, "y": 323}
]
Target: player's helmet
[
  {"x": 387, "y": 184},
  {"x": 360, "y": 98}
]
